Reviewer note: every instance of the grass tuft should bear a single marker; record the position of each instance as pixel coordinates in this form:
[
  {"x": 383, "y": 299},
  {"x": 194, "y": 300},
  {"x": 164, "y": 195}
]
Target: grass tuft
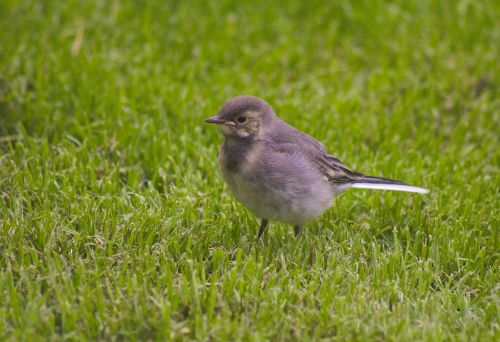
[{"x": 115, "y": 222}]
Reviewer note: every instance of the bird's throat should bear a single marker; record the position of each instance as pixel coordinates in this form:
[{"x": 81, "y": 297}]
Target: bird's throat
[{"x": 234, "y": 153}]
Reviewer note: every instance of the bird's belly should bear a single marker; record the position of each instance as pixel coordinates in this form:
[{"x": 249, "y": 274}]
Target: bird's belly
[{"x": 285, "y": 204}]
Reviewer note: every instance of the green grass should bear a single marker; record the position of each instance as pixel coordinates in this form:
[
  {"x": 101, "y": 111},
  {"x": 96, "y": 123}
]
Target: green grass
[{"x": 115, "y": 222}]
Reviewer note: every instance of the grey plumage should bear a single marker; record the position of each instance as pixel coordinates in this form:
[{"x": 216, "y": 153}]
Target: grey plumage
[{"x": 278, "y": 172}]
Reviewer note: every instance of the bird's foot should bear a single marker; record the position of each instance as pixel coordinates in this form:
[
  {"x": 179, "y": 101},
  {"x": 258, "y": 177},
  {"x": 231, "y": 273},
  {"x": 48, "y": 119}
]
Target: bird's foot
[
  {"x": 297, "y": 230},
  {"x": 263, "y": 225}
]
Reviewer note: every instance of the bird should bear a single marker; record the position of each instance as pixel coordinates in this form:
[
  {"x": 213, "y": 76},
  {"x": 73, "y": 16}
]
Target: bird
[{"x": 280, "y": 173}]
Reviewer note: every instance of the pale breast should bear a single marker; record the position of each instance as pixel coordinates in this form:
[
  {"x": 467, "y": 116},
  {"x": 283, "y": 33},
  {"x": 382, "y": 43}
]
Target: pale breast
[{"x": 275, "y": 185}]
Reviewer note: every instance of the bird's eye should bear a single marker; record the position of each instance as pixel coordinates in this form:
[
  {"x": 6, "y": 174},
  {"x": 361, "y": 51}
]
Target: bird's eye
[{"x": 242, "y": 119}]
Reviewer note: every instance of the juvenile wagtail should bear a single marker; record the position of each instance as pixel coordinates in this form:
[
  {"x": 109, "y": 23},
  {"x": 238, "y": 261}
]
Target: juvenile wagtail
[{"x": 278, "y": 172}]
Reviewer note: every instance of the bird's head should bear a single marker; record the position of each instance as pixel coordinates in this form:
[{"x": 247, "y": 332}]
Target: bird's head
[{"x": 243, "y": 117}]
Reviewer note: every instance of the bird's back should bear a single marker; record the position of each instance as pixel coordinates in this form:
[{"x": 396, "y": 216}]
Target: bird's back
[{"x": 283, "y": 133}]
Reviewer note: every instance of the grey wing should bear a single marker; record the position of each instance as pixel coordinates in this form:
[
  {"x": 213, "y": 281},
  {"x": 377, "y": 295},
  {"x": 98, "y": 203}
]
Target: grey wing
[
  {"x": 335, "y": 170},
  {"x": 287, "y": 137},
  {"x": 329, "y": 166},
  {"x": 288, "y": 160}
]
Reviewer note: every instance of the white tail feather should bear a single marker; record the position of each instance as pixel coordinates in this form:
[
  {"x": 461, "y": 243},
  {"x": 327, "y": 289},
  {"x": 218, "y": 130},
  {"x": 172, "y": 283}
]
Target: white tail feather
[{"x": 395, "y": 187}]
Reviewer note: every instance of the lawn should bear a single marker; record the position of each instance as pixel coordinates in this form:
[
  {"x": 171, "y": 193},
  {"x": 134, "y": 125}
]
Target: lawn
[{"x": 115, "y": 221}]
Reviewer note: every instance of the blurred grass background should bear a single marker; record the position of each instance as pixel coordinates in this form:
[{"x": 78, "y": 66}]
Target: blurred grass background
[{"x": 115, "y": 222}]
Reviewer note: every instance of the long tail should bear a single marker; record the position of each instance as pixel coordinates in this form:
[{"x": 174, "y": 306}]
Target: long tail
[{"x": 369, "y": 182}]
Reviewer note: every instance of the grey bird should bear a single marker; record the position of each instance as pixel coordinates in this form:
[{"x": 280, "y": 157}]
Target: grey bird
[{"x": 278, "y": 172}]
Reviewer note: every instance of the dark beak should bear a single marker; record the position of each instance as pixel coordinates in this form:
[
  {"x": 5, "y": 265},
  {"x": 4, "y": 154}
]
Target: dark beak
[{"x": 215, "y": 120}]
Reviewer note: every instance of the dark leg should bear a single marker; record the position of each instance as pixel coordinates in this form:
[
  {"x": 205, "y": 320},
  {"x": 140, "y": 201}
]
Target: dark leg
[
  {"x": 297, "y": 229},
  {"x": 263, "y": 225}
]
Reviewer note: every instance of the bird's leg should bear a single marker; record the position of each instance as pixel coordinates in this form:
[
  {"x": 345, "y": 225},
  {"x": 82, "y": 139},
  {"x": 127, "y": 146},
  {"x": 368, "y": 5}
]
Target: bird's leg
[
  {"x": 263, "y": 225},
  {"x": 297, "y": 230}
]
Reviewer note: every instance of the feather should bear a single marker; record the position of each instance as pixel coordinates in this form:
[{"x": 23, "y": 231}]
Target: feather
[{"x": 395, "y": 187}]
